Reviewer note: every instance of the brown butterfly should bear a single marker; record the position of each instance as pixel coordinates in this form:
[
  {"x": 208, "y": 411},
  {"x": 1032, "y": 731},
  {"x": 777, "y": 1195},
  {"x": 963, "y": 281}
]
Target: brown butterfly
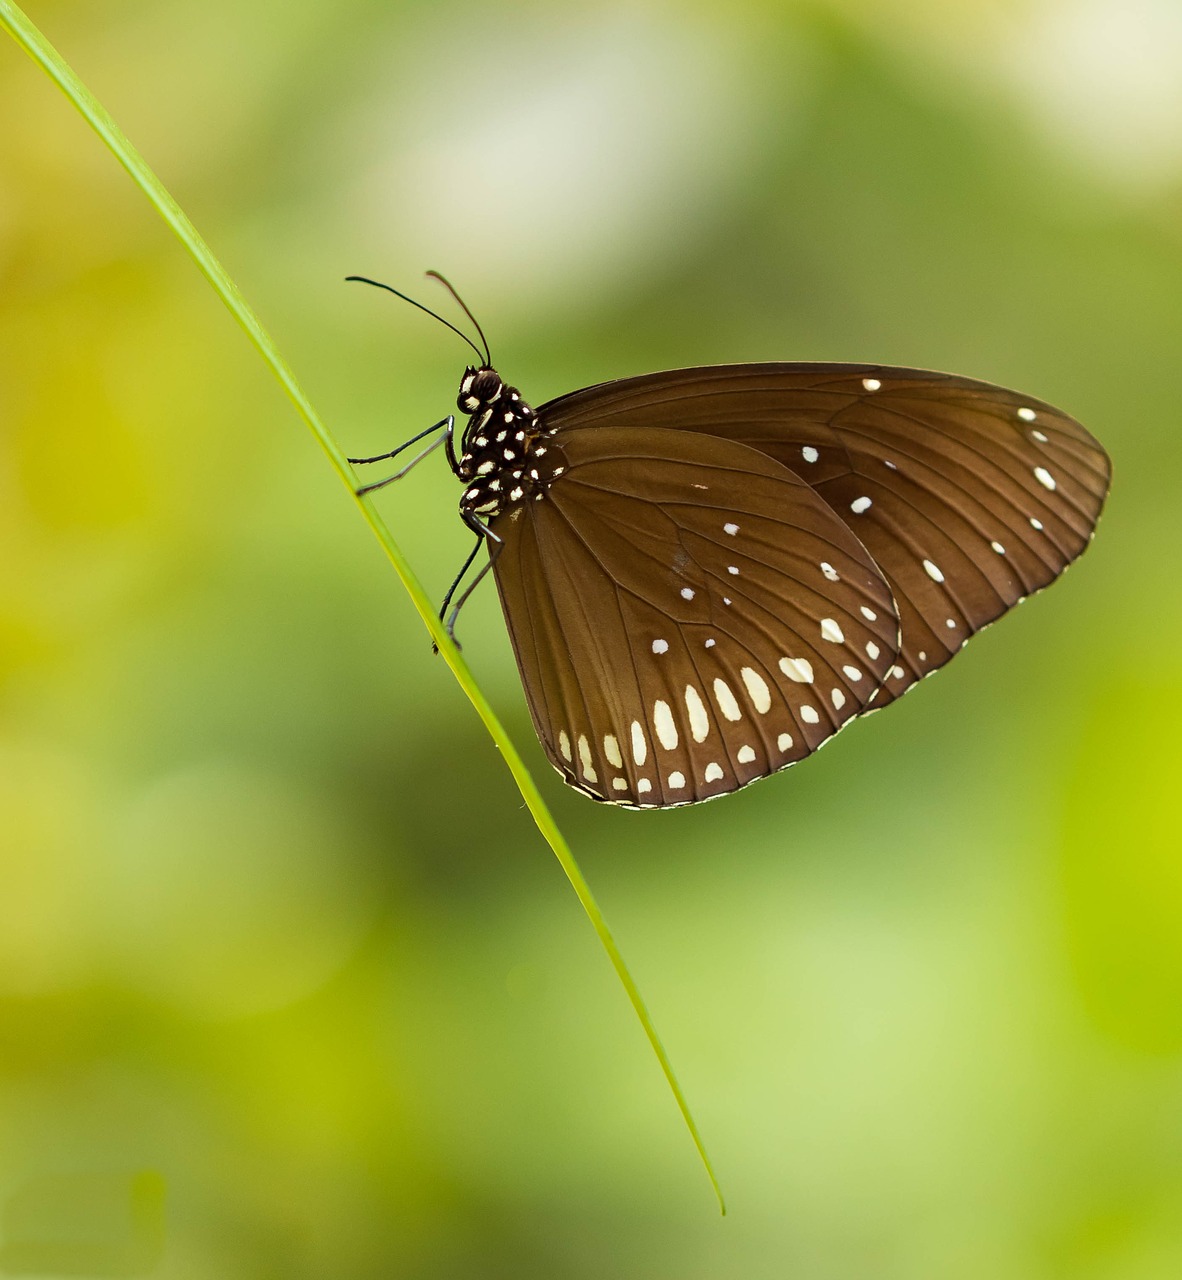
[{"x": 706, "y": 573}]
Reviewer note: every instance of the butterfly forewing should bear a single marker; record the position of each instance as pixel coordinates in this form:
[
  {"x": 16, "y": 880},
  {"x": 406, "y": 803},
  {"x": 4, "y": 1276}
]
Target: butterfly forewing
[
  {"x": 988, "y": 497},
  {"x": 968, "y": 496},
  {"x": 688, "y": 616}
]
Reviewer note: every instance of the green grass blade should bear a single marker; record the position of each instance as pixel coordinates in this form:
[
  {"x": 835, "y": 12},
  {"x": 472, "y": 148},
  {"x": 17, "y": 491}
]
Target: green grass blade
[{"x": 17, "y": 24}]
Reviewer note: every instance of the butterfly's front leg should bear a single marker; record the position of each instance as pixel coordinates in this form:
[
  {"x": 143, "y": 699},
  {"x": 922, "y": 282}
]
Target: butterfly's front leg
[{"x": 447, "y": 425}]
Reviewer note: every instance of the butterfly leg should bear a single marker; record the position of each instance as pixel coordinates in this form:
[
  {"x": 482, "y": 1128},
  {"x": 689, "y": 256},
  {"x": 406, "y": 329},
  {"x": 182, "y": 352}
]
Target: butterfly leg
[
  {"x": 460, "y": 577},
  {"x": 446, "y": 424},
  {"x": 482, "y": 532}
]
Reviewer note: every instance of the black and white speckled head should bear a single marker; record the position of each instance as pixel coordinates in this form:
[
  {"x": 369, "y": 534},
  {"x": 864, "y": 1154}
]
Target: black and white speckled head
[
  {"x": 507, "y": 458},
  {"x": 478, "y": 389}
]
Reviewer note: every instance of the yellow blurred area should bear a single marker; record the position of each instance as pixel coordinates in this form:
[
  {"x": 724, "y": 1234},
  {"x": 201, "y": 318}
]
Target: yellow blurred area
[
  {"x": 1122, "y": 872},
  {"x": 289, "y": 985}
]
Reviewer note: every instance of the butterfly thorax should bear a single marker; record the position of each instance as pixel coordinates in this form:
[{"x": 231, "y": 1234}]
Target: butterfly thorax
[{"x": 508, "y": 458}]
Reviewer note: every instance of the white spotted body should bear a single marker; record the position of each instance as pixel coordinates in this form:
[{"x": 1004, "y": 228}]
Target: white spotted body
[{"x": 507, "y": 458}]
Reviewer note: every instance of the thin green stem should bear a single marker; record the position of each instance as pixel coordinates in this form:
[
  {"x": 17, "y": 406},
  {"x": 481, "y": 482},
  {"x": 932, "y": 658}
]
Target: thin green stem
[{"x": 17, "y": 24}]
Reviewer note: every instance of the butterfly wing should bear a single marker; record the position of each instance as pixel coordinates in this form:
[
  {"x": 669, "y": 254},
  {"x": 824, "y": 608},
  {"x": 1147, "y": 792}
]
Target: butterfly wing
[
  {"x": 688, "y": 616},
  {"x": 968, "y": 496}
]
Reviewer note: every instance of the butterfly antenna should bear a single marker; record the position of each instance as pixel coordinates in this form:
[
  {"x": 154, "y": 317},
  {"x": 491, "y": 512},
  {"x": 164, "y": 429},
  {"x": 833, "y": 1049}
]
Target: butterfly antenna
[
  {"x": 377, "y": 284},
  {"x": 447, "y": 284}
]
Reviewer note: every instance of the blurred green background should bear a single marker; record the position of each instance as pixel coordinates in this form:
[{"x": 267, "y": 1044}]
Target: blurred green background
[{"x": 279, "y": 945}]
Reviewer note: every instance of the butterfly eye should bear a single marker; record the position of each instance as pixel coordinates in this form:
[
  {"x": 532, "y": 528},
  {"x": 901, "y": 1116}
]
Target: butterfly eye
[{"x": 487, "y": 385}]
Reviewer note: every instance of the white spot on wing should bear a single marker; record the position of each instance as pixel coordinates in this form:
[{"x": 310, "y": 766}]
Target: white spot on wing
[
  {"x": 809, "y": 454},
  {"x": 1035, "y": 524},
  {"x": 871, "y": 650},
  {"x": 784, "y": 742},
  {"x": 660, "y": 646},
  {"x": 611, "y": 749},
  {"x": 1027, "y": 415},
  {"x": 998, "y": 548},
  {"x": 733, "y": 568},
  {"x": 852, "y": 673},
  {"x": 757, "y": 690},
  {"x": 1044, "y": 477},
  {"x": 838, "y": 699},
  {"x": 713, "y": 772},
  {"x": 869, "y": 614},
  {"x": 639, "y": 745},
  {"x": 564, "y": 744},
  {"x": 585, "y": 759},
  {"x": 798, "y": 669},
  {"x": 746, "y": 755},
  {"x": 710, "y": 643},
  {"x": 676, "y": 780},
  {"x": 1038, "y": 435},
  {"x": 699, "y": 720},
  {"x": 687, "y": 593},
  {"x": 809, "y": 714},
  {"x": 932, "y": 571},
  {"x": 620, "y": 784},
  {"x": 871, "y": 384},
  {"x": 727, "y": 703},
  {"x": 829, "y": 571},
  {"x": 859, "y": 505},
  {"x": 831, "y": 631},
  {"x": 664, "y": 724},
  {"x": 644, "y": 786},
  {"x": 732, "y": 529}
]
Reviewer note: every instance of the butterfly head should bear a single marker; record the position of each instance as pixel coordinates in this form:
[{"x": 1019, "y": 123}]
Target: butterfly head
[
  {"x": 497, "y": 414},
  {"x": 479, "y": 388}
]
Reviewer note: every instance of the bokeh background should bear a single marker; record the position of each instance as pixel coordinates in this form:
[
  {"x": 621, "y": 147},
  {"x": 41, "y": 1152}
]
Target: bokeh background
[{"x": 289, "y": 985}]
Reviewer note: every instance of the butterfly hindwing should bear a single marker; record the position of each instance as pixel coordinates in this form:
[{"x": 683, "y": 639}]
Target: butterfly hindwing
[{"x": 688, "y": 615}]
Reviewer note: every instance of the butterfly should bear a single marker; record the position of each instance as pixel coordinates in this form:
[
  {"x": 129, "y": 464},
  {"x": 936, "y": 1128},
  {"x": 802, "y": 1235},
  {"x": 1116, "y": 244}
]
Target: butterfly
[{"x": 708, "y": 572}]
